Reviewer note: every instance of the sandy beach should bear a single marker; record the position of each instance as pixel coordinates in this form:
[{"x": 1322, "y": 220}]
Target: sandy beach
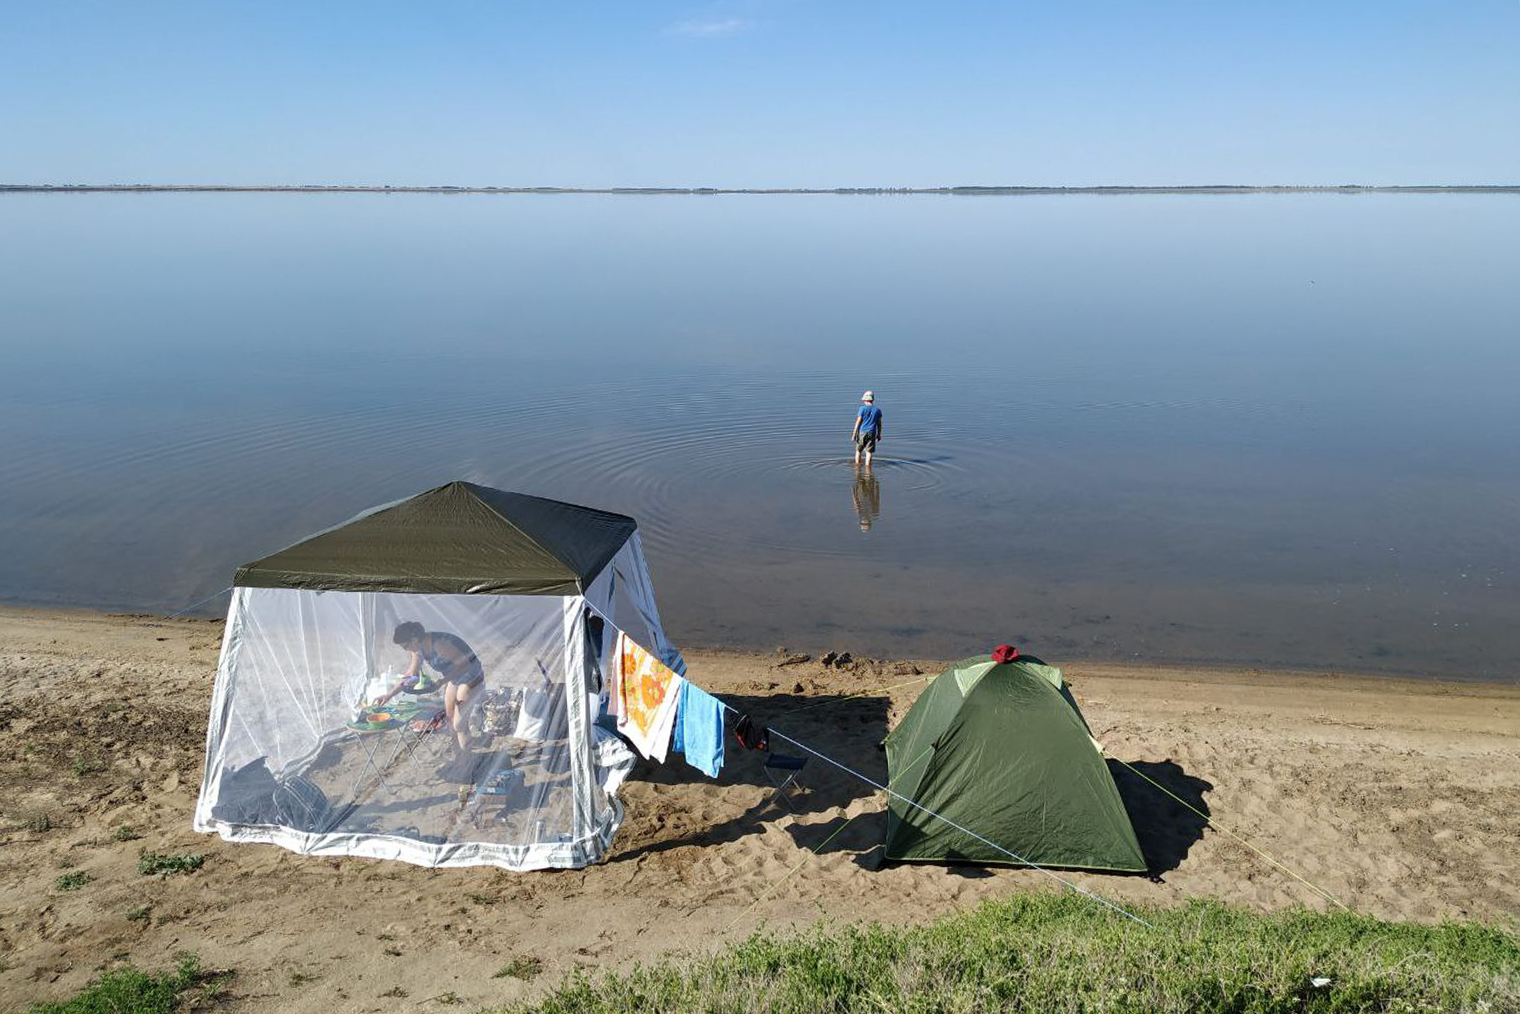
[{"x": 1398, "y": 797}]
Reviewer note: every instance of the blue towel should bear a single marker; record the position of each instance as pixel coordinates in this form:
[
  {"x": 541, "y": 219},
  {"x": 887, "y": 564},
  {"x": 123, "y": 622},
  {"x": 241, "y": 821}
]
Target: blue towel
[{"x": 699, "y": 729}]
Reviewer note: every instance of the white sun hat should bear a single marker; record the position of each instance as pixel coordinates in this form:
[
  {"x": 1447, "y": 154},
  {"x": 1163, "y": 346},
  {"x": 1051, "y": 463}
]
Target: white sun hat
[{"x": 868, "y": 396}]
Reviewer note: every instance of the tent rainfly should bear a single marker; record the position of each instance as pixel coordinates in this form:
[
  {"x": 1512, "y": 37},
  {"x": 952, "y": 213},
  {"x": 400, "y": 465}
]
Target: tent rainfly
[
  {"x": 494, "y": 755},
  {"x": 1003, "y": 751}
]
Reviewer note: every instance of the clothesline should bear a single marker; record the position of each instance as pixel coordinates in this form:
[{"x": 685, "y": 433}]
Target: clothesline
[
  {"x": 1208, "y": 820},
  {"x": 646, "y": 717},
  {"x": 966, "y": 831}
]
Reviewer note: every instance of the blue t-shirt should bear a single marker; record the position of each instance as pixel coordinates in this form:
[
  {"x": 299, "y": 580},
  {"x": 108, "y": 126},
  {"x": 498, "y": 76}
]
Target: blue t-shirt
[{"x": 870, "y": 419}]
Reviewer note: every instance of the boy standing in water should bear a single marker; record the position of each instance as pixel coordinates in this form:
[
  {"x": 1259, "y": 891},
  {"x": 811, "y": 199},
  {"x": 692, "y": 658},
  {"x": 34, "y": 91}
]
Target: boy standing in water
[{"x": 868, "y": 428}]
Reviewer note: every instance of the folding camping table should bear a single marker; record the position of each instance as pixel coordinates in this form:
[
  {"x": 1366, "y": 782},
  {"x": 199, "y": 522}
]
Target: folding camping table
[{"x": 407, "y": 722}]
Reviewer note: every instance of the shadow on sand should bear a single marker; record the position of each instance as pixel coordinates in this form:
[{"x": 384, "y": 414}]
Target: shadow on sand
[
  {"x": 1165, "y": 828},
  {"x": 848, "y": 731}
]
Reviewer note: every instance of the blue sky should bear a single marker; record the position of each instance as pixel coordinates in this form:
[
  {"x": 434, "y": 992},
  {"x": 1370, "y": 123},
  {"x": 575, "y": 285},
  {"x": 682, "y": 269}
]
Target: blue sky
[{"x": 760, "y": 93}]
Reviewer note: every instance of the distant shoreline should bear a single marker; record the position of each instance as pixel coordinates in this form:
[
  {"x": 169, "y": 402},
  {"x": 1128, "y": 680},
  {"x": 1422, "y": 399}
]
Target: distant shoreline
[{"x": 86, "y": 188}]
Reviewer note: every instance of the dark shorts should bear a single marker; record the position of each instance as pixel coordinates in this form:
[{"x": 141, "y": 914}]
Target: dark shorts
[
  {"x": 867, "y": 442},
  {"x": 469, "y": 678}
]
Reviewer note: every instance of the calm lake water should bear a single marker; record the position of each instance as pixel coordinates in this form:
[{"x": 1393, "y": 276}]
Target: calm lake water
[{"x": 1276, "y": 430}]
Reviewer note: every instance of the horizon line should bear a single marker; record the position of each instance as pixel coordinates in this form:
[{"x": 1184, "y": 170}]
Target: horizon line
[{"x": 1212, "y": 188}]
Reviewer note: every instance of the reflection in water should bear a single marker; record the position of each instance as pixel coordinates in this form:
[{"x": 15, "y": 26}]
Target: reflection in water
[
  {"x": 1129, "y": 426},
  {"x": 866, "y": 492}
]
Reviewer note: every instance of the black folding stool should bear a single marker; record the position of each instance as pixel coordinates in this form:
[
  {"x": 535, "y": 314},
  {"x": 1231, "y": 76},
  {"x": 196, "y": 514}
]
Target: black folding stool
[{"x": 783, "y": 771}]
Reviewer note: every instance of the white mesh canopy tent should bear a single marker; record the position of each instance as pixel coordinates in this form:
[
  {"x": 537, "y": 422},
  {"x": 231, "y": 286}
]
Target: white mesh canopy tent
[{"x": 492, "y": 753}]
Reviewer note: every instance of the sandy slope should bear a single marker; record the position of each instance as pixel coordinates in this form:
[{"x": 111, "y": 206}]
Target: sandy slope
[{"x": 1398, "y": 797}]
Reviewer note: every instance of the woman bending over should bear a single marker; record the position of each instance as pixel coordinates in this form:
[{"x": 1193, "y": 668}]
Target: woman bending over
[{"x": 457, "y": 667}]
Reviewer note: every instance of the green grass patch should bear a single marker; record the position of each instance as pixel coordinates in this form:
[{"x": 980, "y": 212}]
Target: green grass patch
[
  {"x": 88, "y": 766},
  {"x": 72, "y": 881},
  {"x": 129, "y": 991},
  {"x": 150, "y": 863},
  {"x": 125, "y": 833},
  {"x": 524, "y": 966},
  {"x": 1062, "y": 954}
]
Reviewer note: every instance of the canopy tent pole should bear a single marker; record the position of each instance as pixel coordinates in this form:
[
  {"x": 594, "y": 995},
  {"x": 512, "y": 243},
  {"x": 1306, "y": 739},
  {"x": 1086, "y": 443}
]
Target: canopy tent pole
[
  {"x": 641, "y": 591},
  {"x": 221, "y": 696},
  {"x": 367, "y": 631},
  {"x": 576, "y": 671}
]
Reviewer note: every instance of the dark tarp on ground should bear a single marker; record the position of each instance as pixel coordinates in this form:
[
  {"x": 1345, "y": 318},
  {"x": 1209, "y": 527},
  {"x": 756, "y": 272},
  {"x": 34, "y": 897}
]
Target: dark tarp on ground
[
  {"x": 458, "y": 539},
  {"x": 1003, "y": 751}
]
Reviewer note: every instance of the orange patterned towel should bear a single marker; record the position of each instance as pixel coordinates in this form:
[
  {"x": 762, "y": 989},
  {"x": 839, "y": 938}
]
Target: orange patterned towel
[{"x": 648, "y": 693}]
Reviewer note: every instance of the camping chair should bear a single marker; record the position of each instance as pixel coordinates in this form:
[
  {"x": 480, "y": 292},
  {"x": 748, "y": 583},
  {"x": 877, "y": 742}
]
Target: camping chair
[
  {"x": 783, "y": 771},
  {"x": 418, "y": 733},
  {"x": 424, "y": 692}
]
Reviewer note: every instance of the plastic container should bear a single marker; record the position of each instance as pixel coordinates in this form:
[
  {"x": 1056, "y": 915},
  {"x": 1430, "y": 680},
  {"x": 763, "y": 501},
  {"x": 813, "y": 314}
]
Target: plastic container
[{"x": 379, "y": 685}]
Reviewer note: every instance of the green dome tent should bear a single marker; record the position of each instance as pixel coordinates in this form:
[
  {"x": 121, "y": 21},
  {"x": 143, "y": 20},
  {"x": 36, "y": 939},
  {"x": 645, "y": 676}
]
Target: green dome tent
[{"x": 1003, "y": 751}]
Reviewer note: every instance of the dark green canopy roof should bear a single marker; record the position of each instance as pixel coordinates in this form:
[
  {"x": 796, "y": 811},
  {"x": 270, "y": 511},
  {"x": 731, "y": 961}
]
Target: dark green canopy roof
[
  {"x": 1002, "y": 751},
  {"x": 458, "y": 539}
]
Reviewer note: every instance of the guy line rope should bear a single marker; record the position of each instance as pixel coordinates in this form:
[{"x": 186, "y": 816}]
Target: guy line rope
[
  {"x": 966, "y": 831},
  {"x": 1209, "y": 821}
]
